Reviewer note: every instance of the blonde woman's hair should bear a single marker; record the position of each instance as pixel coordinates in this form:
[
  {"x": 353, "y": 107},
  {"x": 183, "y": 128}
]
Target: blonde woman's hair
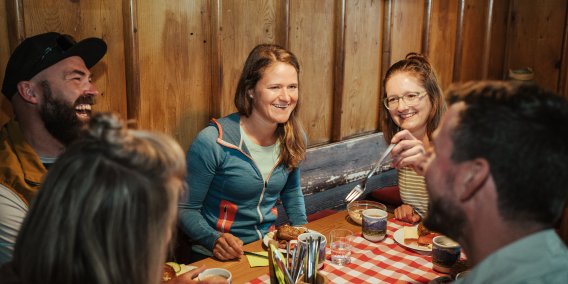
[
  {"x": 290, "y": 134},
  {"x": 417, "y": 65},
  {"x": 106, "y": 210}
]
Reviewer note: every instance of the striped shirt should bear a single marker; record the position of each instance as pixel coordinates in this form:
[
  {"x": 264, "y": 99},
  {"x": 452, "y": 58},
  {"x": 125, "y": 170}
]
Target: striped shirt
[{"x": 413, "y": 190}]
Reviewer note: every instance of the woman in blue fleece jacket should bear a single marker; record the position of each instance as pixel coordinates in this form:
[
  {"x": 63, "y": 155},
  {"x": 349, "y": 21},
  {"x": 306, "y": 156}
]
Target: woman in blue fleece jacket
[{"x": 240, "y": 165}]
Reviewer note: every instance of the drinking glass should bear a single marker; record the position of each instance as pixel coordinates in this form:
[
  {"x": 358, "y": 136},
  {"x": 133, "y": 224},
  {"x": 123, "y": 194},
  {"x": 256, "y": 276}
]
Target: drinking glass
[{"x": 341, "y": 246}]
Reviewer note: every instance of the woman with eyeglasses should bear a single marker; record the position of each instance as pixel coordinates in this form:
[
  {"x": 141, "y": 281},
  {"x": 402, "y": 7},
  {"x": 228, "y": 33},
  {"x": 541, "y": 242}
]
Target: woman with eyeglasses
[{"x": 413, "y": 105}]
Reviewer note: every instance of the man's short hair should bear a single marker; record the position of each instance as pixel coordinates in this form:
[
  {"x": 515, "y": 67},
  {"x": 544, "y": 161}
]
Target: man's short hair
[
  {"x": 41, "y": 51},
  {"x": 522, "y": 131}
]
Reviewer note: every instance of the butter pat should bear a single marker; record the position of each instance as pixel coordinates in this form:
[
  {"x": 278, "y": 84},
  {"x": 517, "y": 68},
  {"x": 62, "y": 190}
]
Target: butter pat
[{"x": 410, "y": 235}]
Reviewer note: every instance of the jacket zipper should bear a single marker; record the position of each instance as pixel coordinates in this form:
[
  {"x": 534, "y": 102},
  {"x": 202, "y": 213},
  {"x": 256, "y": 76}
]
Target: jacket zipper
[{"x": 224, "y": 218}]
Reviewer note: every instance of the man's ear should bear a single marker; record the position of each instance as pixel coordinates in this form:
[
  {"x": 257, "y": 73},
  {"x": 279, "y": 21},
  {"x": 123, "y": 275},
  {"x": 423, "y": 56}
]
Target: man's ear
[
  {"x": 26, "y": 93},
  {"x": 475, "y": 174}
]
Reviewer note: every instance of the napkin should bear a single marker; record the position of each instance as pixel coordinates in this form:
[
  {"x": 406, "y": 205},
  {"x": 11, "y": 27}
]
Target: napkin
[{"x": 256, "y": 261}]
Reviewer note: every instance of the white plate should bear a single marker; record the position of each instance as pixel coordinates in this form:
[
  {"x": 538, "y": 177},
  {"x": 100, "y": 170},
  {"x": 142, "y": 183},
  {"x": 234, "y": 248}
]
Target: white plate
[
  {"x": 270, "y": 236},
  {"x": 399, "y": 238},
  {"x": 185, "y": 268}
]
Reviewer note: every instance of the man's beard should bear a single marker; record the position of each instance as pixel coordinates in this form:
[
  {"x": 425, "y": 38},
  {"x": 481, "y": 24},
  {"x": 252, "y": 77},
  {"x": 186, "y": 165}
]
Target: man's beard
[
  {"x": 60, "y": 118},
  {"x": 444, "y": 216}
]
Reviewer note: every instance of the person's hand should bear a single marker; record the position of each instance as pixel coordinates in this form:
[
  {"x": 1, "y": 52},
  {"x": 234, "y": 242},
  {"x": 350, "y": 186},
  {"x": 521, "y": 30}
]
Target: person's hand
[
  {"x": 409, "y": 151},
  {"x": 228, "y": 247},
  {"x": 189, "y": 278},
  {"x": 406, "y": 213}
]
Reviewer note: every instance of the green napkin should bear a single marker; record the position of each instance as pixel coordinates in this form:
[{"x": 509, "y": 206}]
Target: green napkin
[{"x": 256, "y": 261}]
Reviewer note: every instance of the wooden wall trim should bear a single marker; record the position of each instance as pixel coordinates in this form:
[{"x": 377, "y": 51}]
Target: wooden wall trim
[
  {"x": 131, "y": 59},
  {"x": 507, "y": 54},
  {"x": 459, "y": 42},
  {"x": 426, "y": 27},
  {"x": 339, "y": 70},
  {"x": 563, "y": 76},
  {"x": 286, "y": 24},
  {"x": 216, "y": 106},
  {"x": 487, "y": 40},
  {"x": 16, "y": 27},
  {"x": 387, "y": 28}
]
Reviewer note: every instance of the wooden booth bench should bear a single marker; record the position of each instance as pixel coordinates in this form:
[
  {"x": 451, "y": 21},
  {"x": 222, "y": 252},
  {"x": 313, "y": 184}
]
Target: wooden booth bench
[{"x": 329, "y": 172}]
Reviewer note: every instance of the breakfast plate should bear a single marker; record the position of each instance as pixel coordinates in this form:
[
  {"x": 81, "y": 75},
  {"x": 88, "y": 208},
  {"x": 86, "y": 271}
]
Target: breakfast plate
[
  {"x": 185, "y": 268},
  {"x": 399, "y": 238}
]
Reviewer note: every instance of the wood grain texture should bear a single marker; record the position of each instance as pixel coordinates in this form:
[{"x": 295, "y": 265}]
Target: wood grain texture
[
  {"x": 328, "y": 166},
  {"x": 338, "y": 70},
  {"x": 239, "y": 35},
  {"x": 406, "y": 32},
  {"x": 362, "y": 67},
  {"x": 175, "y": 67},
  {"x": 131, "y": 59},
  {"x": 535, "y": 39},
  {"x": 498, "y": 40},
  {"x": 473, "y": 40},
  {"x": 442, "y": 43},
  {"x": 5, "y": 107},
  {"x": 311, "y": 20},
  {"x": 83, "y": 19},
  {"x": 563, "y": 82}
]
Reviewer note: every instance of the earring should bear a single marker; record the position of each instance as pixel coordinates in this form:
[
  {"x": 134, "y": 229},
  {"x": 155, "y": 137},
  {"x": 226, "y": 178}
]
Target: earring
[{"x": 251, "y": 96}]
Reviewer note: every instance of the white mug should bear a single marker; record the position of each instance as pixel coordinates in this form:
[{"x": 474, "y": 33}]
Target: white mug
[{"x": 216, "y": 272}]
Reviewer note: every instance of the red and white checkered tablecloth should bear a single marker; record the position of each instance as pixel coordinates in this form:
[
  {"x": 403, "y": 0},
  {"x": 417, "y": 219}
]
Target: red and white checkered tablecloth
[{"x": 382, "y": 262}]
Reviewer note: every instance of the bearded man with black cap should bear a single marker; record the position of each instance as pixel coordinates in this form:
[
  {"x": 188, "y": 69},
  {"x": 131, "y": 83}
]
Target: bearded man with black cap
[{"x": 49, "y": 84}]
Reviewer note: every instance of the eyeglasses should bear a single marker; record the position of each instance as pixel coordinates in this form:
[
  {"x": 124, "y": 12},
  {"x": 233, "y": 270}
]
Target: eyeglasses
[{"x": 409, "y": 99}]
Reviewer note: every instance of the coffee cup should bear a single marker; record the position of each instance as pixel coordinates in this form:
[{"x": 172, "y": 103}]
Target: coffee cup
[
  {"x": 374, "y": 224},
  {"x": 445, "y": 253},
  {"x": 218, "y": 274},
  {"x": 303, "y": 240}
]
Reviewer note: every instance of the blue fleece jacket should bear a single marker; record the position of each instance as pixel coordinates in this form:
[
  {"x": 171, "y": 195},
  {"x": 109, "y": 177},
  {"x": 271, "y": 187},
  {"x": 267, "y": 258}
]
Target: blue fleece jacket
[{"x": 227, "y": 192}]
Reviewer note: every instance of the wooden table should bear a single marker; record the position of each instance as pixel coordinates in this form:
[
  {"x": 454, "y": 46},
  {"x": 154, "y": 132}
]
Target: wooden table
[{"x": 241, "y": 270}]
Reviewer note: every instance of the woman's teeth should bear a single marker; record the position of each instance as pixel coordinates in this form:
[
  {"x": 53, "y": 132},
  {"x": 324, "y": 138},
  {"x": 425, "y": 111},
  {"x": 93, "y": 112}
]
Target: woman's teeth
[
  {"x": 407, "y": 115},
  {"x": 281, "y": 105}
]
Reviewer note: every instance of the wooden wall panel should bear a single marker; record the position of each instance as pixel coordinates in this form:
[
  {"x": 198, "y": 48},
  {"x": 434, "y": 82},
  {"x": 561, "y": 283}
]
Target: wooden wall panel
[
  {"x": 5, "y": 108},
  {"x": 311, "y": 20},
  {"x": 360, "y": 103},
  {"x": 442, "y": 39},
  {"x": 536, "y": 38},
  {"x": 406, "y": 31},
  {"x": 182, "y": 59},
  {"x": 473, "y": 39},
  {"x": 83, "y": 19},
  {"x": 239, "y": 35},
  {"x": 498, "y": 40},
  {"x": 174, "y": 49}
]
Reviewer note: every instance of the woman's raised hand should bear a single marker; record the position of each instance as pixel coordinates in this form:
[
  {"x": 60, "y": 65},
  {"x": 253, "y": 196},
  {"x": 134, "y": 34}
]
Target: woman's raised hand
[{"x": 409, "y": 151}]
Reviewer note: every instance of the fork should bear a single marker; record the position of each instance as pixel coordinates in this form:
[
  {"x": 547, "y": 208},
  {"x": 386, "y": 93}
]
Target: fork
[{"x": 358, "y": 190}]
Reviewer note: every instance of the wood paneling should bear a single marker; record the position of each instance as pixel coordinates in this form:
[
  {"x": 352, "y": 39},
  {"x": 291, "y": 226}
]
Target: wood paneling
[
  {"x": 406, "y": 31},
  {"x": 498, "y": 40},
  {"x": 309, "y": 20},
  {"x": 536, "y": 38},
  {"x": 563, "y": 82},
  {"x": 362, "y": 67},
  {"x": 174, "y": 64},
  {"x": 442, "y": 40},
  {"x": 5, "y": 108},
  {"x": 83, "y": 19},
  {"x": 239, "y": 35},
  {"x": 473, "y": 40},
  {"x": 174, "y": 67}
]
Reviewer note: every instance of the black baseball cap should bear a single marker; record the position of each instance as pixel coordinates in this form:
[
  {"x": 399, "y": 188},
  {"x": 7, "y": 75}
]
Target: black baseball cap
[{"x": 39, "y": 52}]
